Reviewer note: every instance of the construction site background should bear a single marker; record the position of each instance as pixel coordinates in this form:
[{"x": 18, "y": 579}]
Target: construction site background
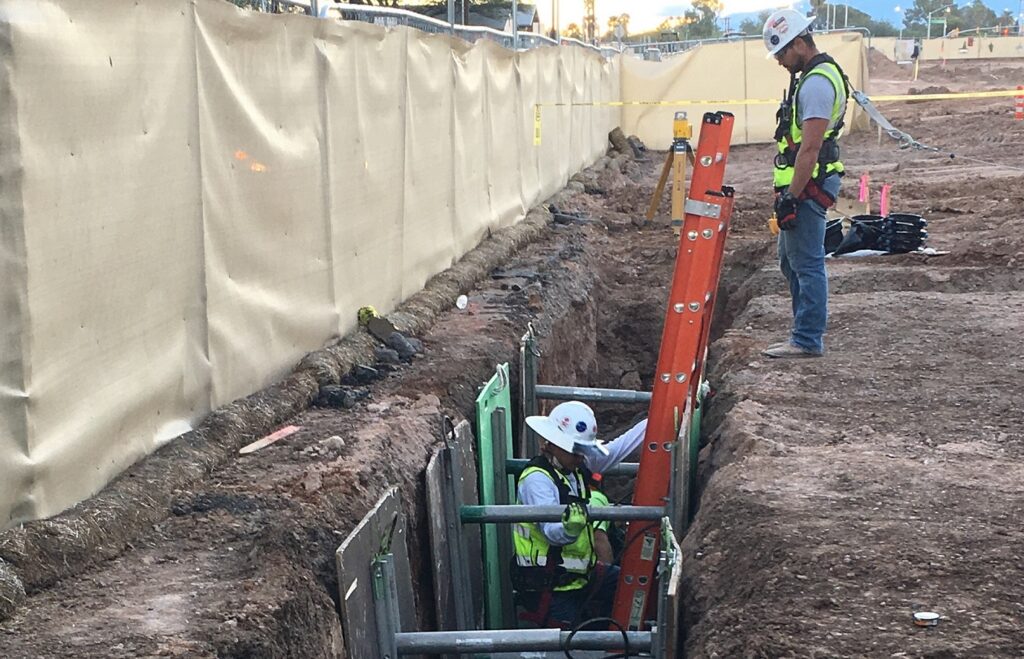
[{"x": 952, "y": 48}]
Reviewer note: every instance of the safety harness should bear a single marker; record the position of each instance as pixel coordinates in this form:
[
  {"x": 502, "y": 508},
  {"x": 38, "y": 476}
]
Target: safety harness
[
  {"x": 534, "y": 584},
  {"x": 787, "y": 132}
]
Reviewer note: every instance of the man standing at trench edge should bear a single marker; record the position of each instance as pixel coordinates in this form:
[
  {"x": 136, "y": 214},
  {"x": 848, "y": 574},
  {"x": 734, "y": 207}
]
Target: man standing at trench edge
[{"x": 807, "y": 173}]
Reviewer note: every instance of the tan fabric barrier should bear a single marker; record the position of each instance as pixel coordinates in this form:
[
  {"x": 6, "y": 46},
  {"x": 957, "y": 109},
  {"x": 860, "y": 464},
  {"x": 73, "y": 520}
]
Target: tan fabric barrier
[
  {"x": 956, "y": 48},
  {"x": 724, "y": 72},
  {"x": 195, "y": 196}
]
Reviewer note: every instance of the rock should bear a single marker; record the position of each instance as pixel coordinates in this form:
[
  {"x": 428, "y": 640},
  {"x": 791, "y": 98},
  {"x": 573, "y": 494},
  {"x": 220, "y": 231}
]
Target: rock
[
  {"x": 427, "y": 401},
  {"x": 401, "y": 345},
  {"x": 386, "y": 356},
  {"x": 312, "y": 481},
  {"x": 12, "y": 591},
  {"x": 334, "y": 395},
  {"x": 619, "y": 141},
  {"x": 639, "y": 148},
  {"x": 333, "y": 443},
  {"x": 630, "y": 380}
]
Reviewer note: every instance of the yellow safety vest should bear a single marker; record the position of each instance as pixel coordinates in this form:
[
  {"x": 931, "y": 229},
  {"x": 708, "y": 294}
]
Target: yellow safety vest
[
  {"x": 533, "y": 549},
  {"x": 787, "y": 155}
]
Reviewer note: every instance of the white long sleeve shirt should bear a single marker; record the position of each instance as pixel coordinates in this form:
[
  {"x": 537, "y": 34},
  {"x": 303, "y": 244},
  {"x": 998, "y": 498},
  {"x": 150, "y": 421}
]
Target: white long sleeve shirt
[{"x": 537, "y": 489}]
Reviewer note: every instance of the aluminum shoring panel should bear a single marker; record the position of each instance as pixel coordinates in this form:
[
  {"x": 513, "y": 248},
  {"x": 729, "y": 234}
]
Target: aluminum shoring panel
[
  {"x": 354, "y": 559},
  {"x": 493, "y": 451}
]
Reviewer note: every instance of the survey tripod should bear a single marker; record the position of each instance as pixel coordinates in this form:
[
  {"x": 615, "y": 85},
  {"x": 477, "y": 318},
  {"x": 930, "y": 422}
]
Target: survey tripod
[{"x": 679, "y": 154}]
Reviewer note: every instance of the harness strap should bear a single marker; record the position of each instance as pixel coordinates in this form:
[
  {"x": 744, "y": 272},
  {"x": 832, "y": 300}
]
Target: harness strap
[
  {"x": 554, "y": 555},
  {"x": 829, "y": 152}
]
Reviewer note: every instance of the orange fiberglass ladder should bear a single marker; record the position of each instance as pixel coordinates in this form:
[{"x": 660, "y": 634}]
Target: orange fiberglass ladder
[{"x": 680, "y": 359}]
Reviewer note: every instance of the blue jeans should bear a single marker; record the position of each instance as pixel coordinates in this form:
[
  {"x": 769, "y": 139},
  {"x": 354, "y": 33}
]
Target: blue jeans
[
  {"x": 802, "y": 259},
  {"x": 571, "y": 607}
]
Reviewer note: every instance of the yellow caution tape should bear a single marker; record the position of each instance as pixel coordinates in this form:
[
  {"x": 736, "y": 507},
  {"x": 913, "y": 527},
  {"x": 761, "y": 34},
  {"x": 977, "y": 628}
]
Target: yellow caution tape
[
  {"x": 614, "y": 104},
  {"x": 951, "y": 95},
  {"x": 759, "y": 101},
  {"x": 774, "y": 101}
]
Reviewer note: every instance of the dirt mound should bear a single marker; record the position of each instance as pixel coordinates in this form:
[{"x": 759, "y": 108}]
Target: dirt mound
[
  {"x": 934, "y": 89},
  {"x": 883, "y": 67}
]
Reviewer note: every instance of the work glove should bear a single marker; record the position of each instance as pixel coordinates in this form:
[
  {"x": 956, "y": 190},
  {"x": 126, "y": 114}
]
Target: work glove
[
  {"x": 575, "y": 518},
  {"x": 785, "y": 210}
]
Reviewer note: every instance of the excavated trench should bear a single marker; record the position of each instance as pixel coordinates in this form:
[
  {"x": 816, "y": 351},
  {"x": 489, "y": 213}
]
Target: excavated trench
[{"x": 240, "y": 563}]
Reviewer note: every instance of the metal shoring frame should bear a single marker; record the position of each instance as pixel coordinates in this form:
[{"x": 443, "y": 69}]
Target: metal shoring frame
[
  {"x": 513, "y": 640},
  {"x": 669, "y": 567},
  {"x": 528, "y": 356},
  {"x": 592, "y": 394},
  {"x": 393, "y": 643},
  {"x": 385, "y": 602},
  {"x": 516, "y": 465},
  {"x": 514, "y": 514}
]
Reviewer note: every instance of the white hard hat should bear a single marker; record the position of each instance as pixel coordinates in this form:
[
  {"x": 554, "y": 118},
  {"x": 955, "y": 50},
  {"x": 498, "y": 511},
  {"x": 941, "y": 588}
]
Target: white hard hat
[
  {"x": 782, "y": 27},
  {"x": 568, "y": 426}
]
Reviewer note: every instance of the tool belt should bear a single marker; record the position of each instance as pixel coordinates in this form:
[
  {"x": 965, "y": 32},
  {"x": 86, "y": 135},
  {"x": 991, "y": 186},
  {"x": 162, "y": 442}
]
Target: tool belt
[
  {"x": 538, "y": 579},
  {"x": 828, "y": 154},
  {"x": 813, "y": 190},
  {"x": 817, "y": 193}
]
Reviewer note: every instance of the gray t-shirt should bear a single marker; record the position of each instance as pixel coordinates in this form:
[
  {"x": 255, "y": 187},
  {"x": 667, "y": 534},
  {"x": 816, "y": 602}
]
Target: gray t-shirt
[{"x": 816, "y": 98}]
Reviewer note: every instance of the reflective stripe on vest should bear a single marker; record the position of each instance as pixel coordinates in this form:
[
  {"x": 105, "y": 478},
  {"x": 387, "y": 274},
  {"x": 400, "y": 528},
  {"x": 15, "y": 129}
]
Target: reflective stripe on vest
[
  {"x": 784, "y": 176},
  {"x": 532, "y": 546}
]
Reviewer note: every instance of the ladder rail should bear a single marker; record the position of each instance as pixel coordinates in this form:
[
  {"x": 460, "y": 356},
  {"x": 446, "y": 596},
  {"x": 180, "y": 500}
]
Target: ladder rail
[{"x": 683, "y": 342}]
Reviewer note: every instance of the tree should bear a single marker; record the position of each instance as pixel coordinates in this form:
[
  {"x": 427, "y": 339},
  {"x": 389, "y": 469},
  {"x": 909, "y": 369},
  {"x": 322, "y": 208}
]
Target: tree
[
  {"x": 915, "y": 19},
  {"x": 616, "y": 21},
  {"x": 573, "y": 31},
  {"x": 977, "y": 15},
  {"x": 704, "y": 19},
  {"x": 755, "y": 26}
]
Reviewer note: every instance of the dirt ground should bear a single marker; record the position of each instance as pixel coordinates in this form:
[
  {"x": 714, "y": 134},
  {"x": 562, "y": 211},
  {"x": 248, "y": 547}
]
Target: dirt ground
[{"x": 839, "y": 495}]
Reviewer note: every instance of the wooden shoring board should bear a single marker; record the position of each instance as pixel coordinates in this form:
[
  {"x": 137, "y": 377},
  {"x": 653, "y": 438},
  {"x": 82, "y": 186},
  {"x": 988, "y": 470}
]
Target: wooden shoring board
[
  {"x": 444, "y": 588},
  {"x": 355, "y": 582},
  {"x": 681, "y": 469},
  {"x": 464, "y": 444},
  {"x": 441, "y": 532}
]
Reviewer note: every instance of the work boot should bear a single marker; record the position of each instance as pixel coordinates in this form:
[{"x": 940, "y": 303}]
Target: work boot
[{"x": 788, "y": 351}]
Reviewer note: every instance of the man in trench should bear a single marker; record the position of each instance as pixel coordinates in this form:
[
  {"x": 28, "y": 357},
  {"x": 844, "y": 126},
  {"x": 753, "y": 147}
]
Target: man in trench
[
  {"x": 807, "y": 174},
  {"x": 558, "y": 578}
]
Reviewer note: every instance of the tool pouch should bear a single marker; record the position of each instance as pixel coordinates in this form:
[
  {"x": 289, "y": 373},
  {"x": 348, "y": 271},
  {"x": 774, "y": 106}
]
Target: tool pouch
[
  {"x": 829, "y": 152},
  {"x": 536, "y": 579},
  {"x": 817, "y": 194}
]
